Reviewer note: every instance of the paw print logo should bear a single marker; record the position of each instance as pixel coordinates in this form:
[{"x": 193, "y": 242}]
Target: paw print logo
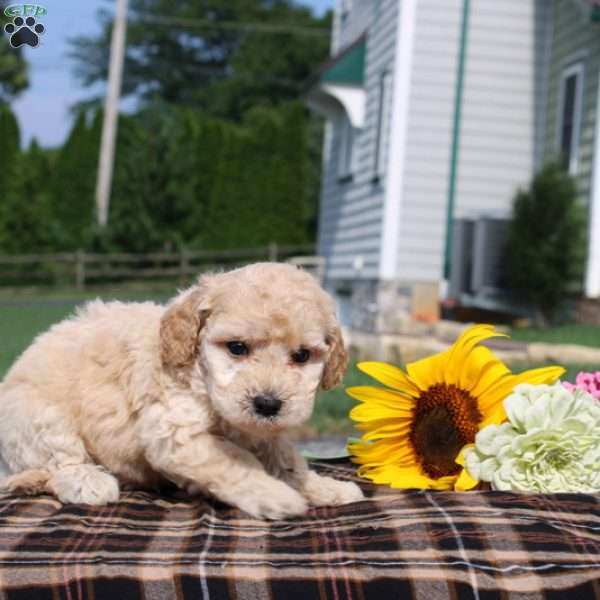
[{"x": 24, "y": 31}]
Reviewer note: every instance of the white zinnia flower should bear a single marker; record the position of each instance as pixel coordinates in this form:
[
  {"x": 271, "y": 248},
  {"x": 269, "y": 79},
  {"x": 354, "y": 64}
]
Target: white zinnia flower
[{"x": 551, "y": 443}]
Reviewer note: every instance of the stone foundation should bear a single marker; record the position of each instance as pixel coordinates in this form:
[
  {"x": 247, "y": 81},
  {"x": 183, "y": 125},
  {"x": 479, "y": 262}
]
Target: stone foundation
[
  {"x": 587, "y": 311},
  {"x": 386, "y": 307}
]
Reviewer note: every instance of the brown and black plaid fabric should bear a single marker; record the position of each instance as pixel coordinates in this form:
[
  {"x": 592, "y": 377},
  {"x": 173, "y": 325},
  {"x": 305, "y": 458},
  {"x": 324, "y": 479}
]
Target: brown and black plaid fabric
[{"x": 397, "y": 545}]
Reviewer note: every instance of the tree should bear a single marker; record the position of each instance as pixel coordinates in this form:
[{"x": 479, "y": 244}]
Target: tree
[
  {"x": 9, "y": 148},
  {"x": 26, "y": 220},
  {"x": 545, "y": 246},
  {"x": 224, "y": 58},
  {"x": 154, "y": 204},
  {"x": 13, "y": 68},
  {"x": 73, "y": 180},
  {"x": 279, "y": 170},
  {"x": 258, "y": 193},
  {"x": 202, "y": 53},
  {"x": 185, "y": 179}
]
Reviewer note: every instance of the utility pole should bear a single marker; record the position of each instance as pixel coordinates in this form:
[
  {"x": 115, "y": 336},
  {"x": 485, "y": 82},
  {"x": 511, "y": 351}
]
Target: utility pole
[{"x": 111, "y": 112}]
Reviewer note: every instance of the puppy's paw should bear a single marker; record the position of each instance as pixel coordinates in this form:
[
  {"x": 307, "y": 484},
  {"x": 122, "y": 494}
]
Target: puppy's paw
[
  {"x": 280, "y": 501},
  {"x": 28, "y": 483},
  {"x": 84, "y": 484},
  {"x": 326, "y": 491}
]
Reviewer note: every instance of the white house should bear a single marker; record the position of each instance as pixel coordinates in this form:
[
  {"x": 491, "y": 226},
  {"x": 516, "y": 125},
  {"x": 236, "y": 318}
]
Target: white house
[{"x": 437, "y": 111}]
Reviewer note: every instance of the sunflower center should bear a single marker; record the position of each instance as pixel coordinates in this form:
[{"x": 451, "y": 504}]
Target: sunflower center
[{"x": 445, "y": 419}]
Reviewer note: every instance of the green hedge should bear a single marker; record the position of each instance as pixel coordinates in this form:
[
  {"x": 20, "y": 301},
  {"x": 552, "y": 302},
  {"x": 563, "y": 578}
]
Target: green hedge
[{"x": 181, "y": 179}]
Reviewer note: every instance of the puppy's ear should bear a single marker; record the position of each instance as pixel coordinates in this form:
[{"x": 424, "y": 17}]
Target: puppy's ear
[
  {"x": 180, "y": 326},
  {"x": 337, "y": 359}
]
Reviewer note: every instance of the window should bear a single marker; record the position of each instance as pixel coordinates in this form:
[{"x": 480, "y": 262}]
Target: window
[
  {"x": 383, "y": 124},
  {"x": 347, "y": 135},
  {"x": 571, "y": 93}
]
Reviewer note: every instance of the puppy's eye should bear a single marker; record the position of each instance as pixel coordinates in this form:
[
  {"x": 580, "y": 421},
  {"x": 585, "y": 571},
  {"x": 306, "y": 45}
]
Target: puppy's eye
[
  {"x": 301, "y": 356},
  {"x": 238, "y": 348}
]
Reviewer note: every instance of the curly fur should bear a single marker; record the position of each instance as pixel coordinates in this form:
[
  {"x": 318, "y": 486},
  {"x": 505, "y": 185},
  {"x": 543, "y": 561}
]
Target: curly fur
[{"x": 133, "y": 394}]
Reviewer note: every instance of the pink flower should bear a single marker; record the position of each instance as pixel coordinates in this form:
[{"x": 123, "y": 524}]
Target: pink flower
[{"x": 588, "y": 382}]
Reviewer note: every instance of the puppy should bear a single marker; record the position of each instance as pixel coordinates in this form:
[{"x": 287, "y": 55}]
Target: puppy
[{"x": 199, "y": 393}]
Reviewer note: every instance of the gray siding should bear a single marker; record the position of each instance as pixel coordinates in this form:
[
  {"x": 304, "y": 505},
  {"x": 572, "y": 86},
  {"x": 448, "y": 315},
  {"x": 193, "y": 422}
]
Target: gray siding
[
  {"x": 350, "y": 221},
  {"x": 504, "y": 81},
  {"x": 513, "y": 65},
  {"x": 574, "y": 39},
  {"x": 429, "y": 136},
  {"x": 504, "y": 78},
  {"x": 348, "y": 29}
]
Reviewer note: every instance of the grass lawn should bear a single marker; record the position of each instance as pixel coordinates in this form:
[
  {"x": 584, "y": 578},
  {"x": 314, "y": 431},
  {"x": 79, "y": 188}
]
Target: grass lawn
[
  {"x": 584, "y": 335},
  {"x": 21, "y": 322}
]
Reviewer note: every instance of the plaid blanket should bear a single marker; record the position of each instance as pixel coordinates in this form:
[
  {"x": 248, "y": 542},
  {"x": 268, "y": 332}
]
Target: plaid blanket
[{"x": 400, "y": 545}]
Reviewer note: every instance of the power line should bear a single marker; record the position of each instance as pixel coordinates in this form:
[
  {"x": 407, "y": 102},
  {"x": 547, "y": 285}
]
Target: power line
[
  {"x": 46, "y": 67},
  {"x": 230, "y": 25}
]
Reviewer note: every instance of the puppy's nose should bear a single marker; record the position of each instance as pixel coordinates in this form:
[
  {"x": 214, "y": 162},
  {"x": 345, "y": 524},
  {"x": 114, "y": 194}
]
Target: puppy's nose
[{"x": 266, "y": 406}]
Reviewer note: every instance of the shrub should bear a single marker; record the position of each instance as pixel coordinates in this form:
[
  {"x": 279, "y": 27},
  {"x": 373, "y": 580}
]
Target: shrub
[{"x": 545, "y": 246}]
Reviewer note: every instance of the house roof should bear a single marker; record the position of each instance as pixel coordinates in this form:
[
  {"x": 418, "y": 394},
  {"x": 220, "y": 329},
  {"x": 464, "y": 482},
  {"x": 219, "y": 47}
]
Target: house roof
[{"x": 347, "y": 67}]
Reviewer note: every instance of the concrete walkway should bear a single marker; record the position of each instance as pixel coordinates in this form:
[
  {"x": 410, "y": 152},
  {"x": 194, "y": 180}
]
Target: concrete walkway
[{"x": 323, "y": 447}]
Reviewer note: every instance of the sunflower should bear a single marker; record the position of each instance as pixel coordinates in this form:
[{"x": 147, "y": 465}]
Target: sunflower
[{"x": 415, "y": 428}]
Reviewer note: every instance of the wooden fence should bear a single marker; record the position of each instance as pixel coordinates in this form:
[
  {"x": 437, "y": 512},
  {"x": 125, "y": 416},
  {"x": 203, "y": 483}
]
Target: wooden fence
[{"x": 82, "y": 268}]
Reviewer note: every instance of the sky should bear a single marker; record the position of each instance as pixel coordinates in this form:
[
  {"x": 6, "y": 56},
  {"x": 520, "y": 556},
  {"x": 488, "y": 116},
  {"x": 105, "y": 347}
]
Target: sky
[{"x": 43, "y": 109}]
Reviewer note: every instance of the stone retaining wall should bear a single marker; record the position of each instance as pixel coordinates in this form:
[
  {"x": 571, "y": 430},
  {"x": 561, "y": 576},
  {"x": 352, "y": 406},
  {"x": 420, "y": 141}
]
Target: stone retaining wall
[{"x": 400, "y": 349}]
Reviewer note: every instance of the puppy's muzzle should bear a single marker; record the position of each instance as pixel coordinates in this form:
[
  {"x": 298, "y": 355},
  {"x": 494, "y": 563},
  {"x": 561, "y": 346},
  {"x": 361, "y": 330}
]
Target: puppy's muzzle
[{"x": 266, "y": 406}]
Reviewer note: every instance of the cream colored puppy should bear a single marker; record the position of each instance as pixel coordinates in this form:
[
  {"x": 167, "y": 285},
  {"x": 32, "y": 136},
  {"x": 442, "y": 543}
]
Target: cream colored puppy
[{"x": 199, "y": 393}]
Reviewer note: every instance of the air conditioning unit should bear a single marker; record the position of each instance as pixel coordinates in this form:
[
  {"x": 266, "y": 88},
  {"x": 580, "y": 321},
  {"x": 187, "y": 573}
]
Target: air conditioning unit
[{"x": 477, "y": 251}]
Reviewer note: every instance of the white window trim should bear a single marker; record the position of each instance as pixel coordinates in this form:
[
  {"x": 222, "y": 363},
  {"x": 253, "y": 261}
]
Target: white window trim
[{"x": 578, "y": 70}]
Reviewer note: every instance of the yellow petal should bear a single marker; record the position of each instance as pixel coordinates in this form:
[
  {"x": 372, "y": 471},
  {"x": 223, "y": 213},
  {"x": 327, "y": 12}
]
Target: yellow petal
[
  {"x": 465, "y": 482},
  {"x": 381, "y": 397},
  {"x": 463, "y": 346},
  {"x": 383, "y": 451},
  {"x": 404, "y": 460},
  {"x": 498, "y": 392},
  {"x": 444, "y": 483},
  {"x": 375, "y": 412},
  {"x": 396, "y": 476},
  {"x": 481, "y": 370},
  {"x": 428, "y": 371},
  {"x": 493, "y": 416},
  {"x": 489, "y": 376},
  {"x": 379, "y": 429},
  {"x": 389, "y": 423},
  {"x": 409, "y": 478},
  {"x": 460, "y": 459},
  {"x": 389, "y": 375}
]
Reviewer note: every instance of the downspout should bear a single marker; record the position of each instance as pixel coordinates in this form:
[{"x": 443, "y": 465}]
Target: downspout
[{"x": 458, "y": 97}]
